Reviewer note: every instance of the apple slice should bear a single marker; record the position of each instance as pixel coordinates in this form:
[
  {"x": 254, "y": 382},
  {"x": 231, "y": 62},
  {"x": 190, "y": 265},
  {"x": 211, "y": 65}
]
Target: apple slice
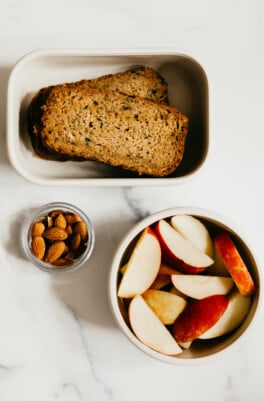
[
  {"x": 166, "y": 269},
  {"x": 195, "y": 231},
  {"x": 164, "y": 276},
  {"x": 174, "y": 291},
  {"x": 198, "y": 286},
  {"x": 186, "y": 345},
  {"x": 218, "y": 268},
  {"x": 238, "y": 307},
  {"x": 160, "y": 281},
  {"x": 198, "y": 317},
  {"x": 180, "y": 252},
  {"x": 142, "y": 266},
  {"x": 235, "y": 264},
  {"x": 123, "y": 269},
  {"x": 165, "y": 305},
  {"x": 149, "y": 329}
]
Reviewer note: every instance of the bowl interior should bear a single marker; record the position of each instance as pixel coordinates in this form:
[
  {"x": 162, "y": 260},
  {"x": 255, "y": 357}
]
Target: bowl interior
[
  {"x": 200, "y": 349},
  {"x": 188, "y": 91}
]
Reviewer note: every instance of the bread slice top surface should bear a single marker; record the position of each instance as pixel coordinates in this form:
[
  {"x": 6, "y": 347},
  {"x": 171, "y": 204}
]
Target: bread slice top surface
[
  {"x": 137, "y": 134},
  {"x": 138, "y": 81},
  {"x": 141, "y": 81}
]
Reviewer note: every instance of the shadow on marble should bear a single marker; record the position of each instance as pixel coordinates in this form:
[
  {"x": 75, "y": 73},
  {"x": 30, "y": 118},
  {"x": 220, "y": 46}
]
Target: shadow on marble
[
  {"x": 4, "y": 75},
  {"x": 85, "y": 291},
  {"x": 15, "y": 234}
]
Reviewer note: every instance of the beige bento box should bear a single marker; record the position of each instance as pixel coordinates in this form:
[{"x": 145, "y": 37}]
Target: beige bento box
[{"x": 188, "y": 91}]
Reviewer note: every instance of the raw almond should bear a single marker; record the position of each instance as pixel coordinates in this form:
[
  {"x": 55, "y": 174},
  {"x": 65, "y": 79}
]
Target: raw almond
[
  {"x": 80, "y": 228},
  {"x": 55, "y": 213},
  {"x": 72, "y": 218},
  {"x": 76, "y": 241},
  {"x": 69, "y": 229},
  {"x": 60, "y": 221},
  {"x": 55, "y": 251},
  {"x": 55, "y": 234},
  {"x": 70, "y": 255},
  {"x": 62, "y": 262},
  {"x": 38, "y": 247},
  {"x": 66, "y": 250},
  {"x": 38, "y": 229}
]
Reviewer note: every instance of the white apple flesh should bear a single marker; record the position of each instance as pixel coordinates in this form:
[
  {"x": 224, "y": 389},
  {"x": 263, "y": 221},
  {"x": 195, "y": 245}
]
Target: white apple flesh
[
  {"x": 142, "y": 267},
  {"x": 165, "y": 305},
  {"x": 235, "y": 313},
  {"x": 201, "y": 286},
  {"x": 195, "y": 231},
  {"x": 149, "y": 329},
  {"x": 179, "y": 251},
  {"x": 186, "y": 345}
]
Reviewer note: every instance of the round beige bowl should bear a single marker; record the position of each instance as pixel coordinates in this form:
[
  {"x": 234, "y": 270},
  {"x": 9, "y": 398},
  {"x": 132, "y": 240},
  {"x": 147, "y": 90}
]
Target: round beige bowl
[{"x": 201, "y": 350}]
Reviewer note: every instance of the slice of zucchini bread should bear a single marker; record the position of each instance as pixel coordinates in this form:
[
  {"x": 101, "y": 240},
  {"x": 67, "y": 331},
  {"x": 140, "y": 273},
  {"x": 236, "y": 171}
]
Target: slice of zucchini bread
[
  {"x": 141, "y": 81},
  {"x": 76, "y": 122}
]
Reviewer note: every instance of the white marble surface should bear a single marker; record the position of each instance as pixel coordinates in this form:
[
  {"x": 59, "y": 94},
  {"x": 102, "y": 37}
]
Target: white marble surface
[{"x": 58, "y": 339}]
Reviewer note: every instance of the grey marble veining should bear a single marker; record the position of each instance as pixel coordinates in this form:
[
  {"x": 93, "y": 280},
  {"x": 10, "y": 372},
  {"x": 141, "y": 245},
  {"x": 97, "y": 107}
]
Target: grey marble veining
[
  {"x": 135, "y": 204},
  {"x": 106, "y": 391}
]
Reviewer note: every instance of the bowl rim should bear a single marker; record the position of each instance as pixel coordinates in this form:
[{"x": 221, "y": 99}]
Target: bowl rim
[{"x": 112, "y": 287}]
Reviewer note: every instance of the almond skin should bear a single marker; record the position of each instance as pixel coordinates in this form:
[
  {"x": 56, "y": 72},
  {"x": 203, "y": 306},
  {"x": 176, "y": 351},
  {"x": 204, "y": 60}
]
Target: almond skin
[
  {"x": 62, "y": 262},
  {"x": 69, "y": 229},
  {"x": 72, "y": 218},
  {"x": 60, "y": 221},
  {"x": 38, "y": 247},
  {"x": 76, "y": 241},
  {"x": 55, "y": 251},
  {"x": 69, "y": 255},
  {"x": 38, "y": 229},
  {"x": 80, "y": 228},
  {"x": 55, "y": 234},
  {"x": 55, "y": 213}
]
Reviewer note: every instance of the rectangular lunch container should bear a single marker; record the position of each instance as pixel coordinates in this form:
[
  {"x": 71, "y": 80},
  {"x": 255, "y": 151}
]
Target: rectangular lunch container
[{"x": 188, "y": 91}]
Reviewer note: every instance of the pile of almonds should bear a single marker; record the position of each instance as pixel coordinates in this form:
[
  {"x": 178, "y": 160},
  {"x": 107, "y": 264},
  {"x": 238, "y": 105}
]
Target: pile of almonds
[{"x": 59, "y": 238}]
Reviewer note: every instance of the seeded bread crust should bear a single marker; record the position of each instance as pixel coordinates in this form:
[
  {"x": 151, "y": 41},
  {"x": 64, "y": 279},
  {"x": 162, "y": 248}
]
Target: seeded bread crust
[{"x": 82, "y": 123}]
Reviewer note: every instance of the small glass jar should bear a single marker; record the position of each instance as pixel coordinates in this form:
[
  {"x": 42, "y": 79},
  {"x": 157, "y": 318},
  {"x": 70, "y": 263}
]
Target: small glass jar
[{"x": 72, "y": 258}]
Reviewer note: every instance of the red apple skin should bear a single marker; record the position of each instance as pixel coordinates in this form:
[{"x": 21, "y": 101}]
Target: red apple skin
[
  {"x": 198, "y": 317},
  {"x": 151, "y": 232},
  {"x": 234, "y": 264},
  {"x": 172, "y": 259}
]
